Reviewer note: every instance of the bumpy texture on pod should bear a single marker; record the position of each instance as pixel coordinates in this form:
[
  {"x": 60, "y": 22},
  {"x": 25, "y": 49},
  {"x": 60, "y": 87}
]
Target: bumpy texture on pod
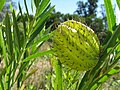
[{"x": 76, "y": 45}]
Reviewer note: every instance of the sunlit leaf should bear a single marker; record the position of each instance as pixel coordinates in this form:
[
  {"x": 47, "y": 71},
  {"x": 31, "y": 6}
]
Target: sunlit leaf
[
  {"x": 118, "y": 3},
  {"x": 110, "y": 15},
  {"x": 42, "y": 7},
  {"x": 30, "y": 73},
  {"x": 58, "y": 70},
  {"x": 37, "y": 2},
  {"x": 2, "y": 2},
  {"x": 2, "y": 44},
  {"x": 37, "y": 55},
  {"x": 16, "y": 32},
  {"x": 8, "y": 34}
]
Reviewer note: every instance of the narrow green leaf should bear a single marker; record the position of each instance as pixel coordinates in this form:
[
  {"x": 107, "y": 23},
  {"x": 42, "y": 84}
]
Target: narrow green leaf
[
  {"x": 16, "y": 32},
  {"x": 40, "y": 24},
  {"x": 115, "y": 70},
  {"x": 14, "y": 69},
  {"x": 94, "y": 87},
  {"x": 58, "y": 70},
  {"x": 23, "y": 21},
  {"x": 46, "y": 31},
  {"x": 30, "y": 73},
  {"x": 84, "y": 81},
  {"x": 3, "y": 47},
  {"x": 110, "y": 15},
  {"x": 26, "y": 8},
  {"x": 32, "y": 5},
  {"x": 2, "y": 2},
  {"x": 8, "y": 34},
  {"x": 7, "y": 77},
  {"x": 11, "y": 7},
  {"x": 21, "y": 69},
  {"x": 42, "y": 39},
  {"x": 106, "y": 76},
  {"x": 2, "y": 85},
  {"x": 42, "y": 7},
  {"x": 118, "y": 3},
  {"x": 112, "y": 40},
  {"x": 37, "y": 55},
  {"x": 44, "y": 17},
  {"x": 37, "y": 2},
  {"x": 46, "y": 9},
  {"x": 37, "y": 31},
  {"x": 2, "y": 73},
  {"x": 118, "y": 51}
]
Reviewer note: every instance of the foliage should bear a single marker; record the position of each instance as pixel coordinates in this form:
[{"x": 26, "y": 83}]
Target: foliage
[
  {"x": 19, "y": 46},
  {"x": 109, "y": 57},
  {"x": 8, "y": 5},
  {"x": 21, "y": 35},
  {"x": 57, "y": 17},
  {"x": 2, "y": 3},
  {"x": 87, "y": 9}
]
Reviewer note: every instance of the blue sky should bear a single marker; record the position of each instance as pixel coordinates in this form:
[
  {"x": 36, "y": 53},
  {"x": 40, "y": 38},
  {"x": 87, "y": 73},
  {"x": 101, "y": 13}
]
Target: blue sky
[
  {"x": 68, "y": 6},
  {"x": 65, "y": 6}
]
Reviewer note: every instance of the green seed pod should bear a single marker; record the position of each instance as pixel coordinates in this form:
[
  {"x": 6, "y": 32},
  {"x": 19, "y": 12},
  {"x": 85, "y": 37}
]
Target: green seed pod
[{"x": 76, "y": 45}]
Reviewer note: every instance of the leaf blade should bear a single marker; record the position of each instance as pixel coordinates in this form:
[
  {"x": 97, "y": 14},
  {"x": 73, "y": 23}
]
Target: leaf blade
[
  {"x": 42, "y": 7},
  {"x": 40, "y": 24},
  {"x": 110, "y": 15},
  {"x": 37, "y": 55},
  {"x": 118, "y": 3},
  {"x": 2, "y": 44},
  {"x": 2, "y": 2},
  {"x": 8, "y": 34},
  {"x": 16, "y": 31}
]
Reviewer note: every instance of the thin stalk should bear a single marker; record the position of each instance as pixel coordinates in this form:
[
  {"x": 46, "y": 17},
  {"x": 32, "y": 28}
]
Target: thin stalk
[{"x": 58, "y": 70}]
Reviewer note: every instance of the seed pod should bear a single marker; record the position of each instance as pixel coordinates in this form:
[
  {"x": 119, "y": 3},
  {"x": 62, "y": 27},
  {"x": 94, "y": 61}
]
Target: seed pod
[{"x": 76, "y": 45}]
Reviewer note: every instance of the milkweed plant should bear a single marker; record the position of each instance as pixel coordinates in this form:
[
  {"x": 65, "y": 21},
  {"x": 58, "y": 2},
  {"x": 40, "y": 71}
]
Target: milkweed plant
[{"x": 76, "y": 46}]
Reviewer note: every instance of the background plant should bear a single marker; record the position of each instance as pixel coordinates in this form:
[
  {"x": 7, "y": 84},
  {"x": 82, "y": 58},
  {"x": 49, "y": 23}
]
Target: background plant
[{"x": 19, "y": 46}]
